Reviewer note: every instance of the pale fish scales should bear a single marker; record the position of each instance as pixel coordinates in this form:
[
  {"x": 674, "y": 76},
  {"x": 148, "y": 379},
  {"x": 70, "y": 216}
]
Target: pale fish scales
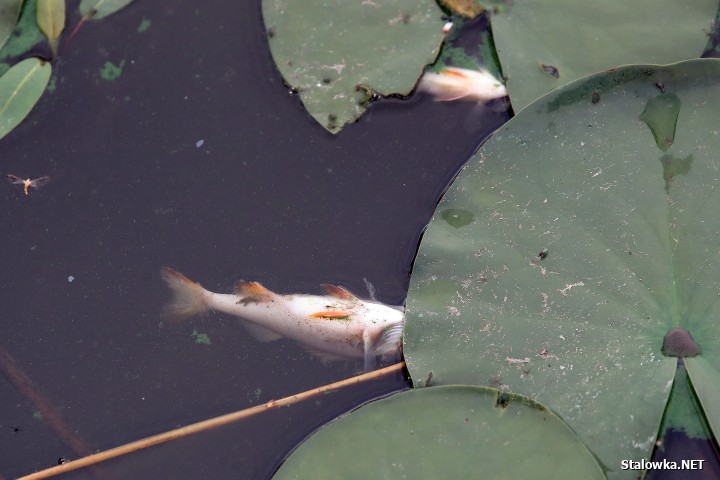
[{"x": 335, "y": 326}]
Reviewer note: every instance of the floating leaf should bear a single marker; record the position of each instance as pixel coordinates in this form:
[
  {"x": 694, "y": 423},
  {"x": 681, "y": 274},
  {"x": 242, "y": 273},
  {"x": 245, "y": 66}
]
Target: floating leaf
[
  {"x": 51, "y": 20},
  {"x": 580, "y": 259},
  {"x": 338, "y": 55},
  {"x": 110, "y": 71},
  {"x": 9, "y": 12},
  {"x": 581, "y": 38},
  {"x": 20, "y": 89},
  {"x": 444, "y": 432},
  {"x": 96, "y": 9},
  {"x": 26, "y": 35}
]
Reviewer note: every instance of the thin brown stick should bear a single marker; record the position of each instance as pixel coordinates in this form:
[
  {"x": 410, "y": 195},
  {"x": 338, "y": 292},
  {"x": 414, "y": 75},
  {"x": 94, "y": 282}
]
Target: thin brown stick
[
  {"x": 49, "y": 414},
  {"x": 206, "y": 425}
]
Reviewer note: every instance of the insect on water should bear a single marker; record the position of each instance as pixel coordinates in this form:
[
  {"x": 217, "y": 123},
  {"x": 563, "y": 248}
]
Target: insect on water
[{"x": 28, "y": 183}]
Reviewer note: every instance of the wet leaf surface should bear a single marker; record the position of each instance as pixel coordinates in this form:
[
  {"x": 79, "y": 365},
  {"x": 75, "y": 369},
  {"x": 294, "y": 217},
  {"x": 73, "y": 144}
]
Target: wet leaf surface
[
  {"x": 582, "y": 38},
  {"x": 580, "y": 259}
]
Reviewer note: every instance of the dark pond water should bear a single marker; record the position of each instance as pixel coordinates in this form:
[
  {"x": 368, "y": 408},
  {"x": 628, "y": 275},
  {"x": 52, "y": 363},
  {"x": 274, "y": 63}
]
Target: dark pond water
[{"x": 196, "y": 157}]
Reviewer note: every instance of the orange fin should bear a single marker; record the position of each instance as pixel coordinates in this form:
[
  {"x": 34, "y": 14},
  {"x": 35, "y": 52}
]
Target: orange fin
[
  {"x": 331, "y": 314},
  {"x": 253, "y": 292},
  {"x": 453, "y": 73},
  {"x": 337, "y": 292}
]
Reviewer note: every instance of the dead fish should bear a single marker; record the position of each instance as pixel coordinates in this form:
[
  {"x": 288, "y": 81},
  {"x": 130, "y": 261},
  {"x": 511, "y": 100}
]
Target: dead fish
[
  {"x": 336, "y": 326},
  {"x": 27, "y": 183},
  {"x": 453, "y": 83}
]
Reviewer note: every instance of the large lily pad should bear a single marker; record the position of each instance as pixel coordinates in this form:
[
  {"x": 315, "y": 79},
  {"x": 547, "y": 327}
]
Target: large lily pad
[
  {"x": 581, "y": 38},
  {"x": 581, "y": 244},
  {"x": 444, "y": 432},
  {"x": 336, "y": 55}
]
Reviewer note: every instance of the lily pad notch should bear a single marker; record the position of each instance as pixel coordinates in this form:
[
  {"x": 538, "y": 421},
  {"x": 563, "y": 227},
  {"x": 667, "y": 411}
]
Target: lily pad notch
[{"x": 339, "y": 56}]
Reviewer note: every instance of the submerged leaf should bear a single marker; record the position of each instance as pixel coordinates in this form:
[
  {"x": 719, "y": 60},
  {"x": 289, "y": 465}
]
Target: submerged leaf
[
  {"x": 51, "y": 20},
  {"x": 9, "y": 12},
  {"x": 444, "y": 432},
  {"x": 24, "y": 38},
  {"x": 339, "y": 55},
  {"x": 20, "y": 88},
  {"x": 579, "y": 260},
  {"x": 96, "y": 9}
]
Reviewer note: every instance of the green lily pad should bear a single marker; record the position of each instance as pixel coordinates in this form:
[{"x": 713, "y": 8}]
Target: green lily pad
[
  {"x": 9, "y": 12},
  {"x": 581, "y": 38},
  {"x": 581, "y": 256},
  {"x": 20, "y": 88},
  {"x": 96, "y": 9},
  {"x": 444, "y": 432},
  {"x": 337, "y": 55}
]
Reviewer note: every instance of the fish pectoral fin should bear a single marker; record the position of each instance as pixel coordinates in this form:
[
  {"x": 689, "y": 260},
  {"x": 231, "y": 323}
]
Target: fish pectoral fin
[
  {"x": 324, "y": 357},
  {"x": 390, "y": 340},
  {"x": 332, "y": 314},
  {"x": 368, "y": 352},
  {"x": 253, "y": 292},
  {"x": 337, "y": 292},
  {"x": 260, "y": 333}
]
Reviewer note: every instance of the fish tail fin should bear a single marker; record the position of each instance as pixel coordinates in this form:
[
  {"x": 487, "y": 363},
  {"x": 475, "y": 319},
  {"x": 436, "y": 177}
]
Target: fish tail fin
[{"x": 189, "y": 297}]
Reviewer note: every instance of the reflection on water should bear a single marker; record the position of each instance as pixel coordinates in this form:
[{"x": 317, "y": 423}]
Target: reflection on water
[{"x": 196, "y": 156}]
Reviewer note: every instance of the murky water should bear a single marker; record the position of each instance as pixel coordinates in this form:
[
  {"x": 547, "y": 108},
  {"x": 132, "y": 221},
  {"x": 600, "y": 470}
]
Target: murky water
[{"x": 196, "y": 157}]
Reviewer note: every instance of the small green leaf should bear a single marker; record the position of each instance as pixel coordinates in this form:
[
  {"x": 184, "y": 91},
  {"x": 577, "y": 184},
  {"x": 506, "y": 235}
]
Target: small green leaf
[
  {"x": 20, "y": 89},
  {"x": 144, "y": 25},
  {"x": 96, "y": 9},
  {"x": 110, "y": 71},
  {"x": 51, "y": 20},
  {"x": 9, "y": 12},
  {"x": 201, "y": 338}
]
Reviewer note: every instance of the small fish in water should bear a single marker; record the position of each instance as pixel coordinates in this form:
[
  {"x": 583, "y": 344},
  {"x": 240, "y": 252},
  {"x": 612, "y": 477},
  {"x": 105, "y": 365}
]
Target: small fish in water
[
  {"x": 27, "y": 183},
  {"x": 336, "y": 326},
  {"x": 454, "y": 83}
]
